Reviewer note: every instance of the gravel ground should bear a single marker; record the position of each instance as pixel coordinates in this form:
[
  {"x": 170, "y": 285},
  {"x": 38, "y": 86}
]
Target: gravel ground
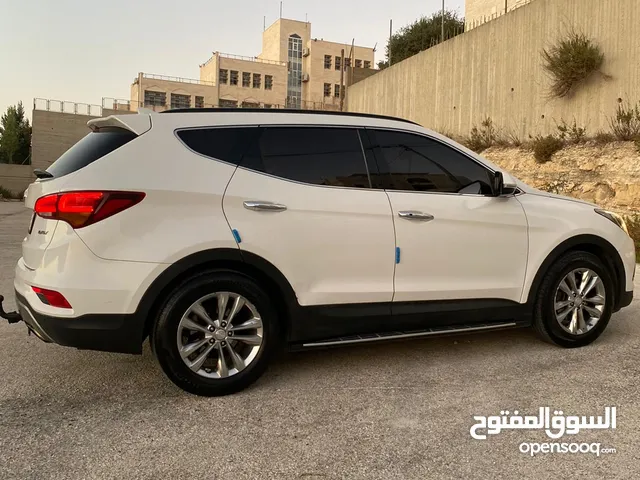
[{"x": 395, "y": 410}]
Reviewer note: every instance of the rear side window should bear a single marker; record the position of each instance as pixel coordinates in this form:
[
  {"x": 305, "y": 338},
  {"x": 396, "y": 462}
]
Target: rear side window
[
  {"x": 315, "y": 155},
  {"x": 226, "y": 144},
  {"x": 92, "y": 147}
]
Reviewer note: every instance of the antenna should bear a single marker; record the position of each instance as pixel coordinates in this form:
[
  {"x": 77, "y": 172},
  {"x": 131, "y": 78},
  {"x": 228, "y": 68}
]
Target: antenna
[
  {"x": 280, "y": 9},
  {"x": 264, "y": 23},
  {"x": 374, "y": 47}
]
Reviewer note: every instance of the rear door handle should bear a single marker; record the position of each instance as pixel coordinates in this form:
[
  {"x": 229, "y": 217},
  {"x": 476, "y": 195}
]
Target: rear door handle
[
  {"x": 414, "y": 215},
  {"x": 264, "y": 206}
]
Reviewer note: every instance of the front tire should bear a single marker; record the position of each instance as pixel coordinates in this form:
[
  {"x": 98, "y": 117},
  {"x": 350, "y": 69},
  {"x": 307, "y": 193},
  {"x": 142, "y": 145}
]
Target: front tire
[
  {"x": 215, "y": 333},
  {"x": 575, "y": 301}
]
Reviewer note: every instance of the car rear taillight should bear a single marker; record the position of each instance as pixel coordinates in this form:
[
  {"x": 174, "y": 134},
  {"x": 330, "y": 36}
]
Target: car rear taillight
[
  {"x": 51, "y": 297},
  {"x": 80, "y": 209}
]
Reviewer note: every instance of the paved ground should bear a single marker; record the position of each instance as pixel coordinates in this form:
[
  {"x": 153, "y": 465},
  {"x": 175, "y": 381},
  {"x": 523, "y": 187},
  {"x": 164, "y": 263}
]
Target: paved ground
[{"x": 400, "y": 410}]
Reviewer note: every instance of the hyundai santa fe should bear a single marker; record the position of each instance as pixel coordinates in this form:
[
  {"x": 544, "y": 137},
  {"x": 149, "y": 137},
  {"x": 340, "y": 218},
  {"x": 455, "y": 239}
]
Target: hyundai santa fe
[{"x": 222, "y": 234}]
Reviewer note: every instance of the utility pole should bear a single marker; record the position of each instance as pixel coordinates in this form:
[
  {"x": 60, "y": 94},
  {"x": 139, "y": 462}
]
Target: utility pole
[
  {"x": 390, "y": 35},
  {"x": 342, "y": 80},
  {"x": 443, "y": 20}
]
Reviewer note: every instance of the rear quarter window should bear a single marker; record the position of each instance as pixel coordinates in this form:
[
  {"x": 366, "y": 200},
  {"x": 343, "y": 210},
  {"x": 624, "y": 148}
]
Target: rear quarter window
[{"x": 93, "y": 146}]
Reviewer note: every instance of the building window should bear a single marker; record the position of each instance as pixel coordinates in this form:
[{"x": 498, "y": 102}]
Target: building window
[
  {"x": 338, "y": 63},
  {"x": 327, "y": 62},
  {"x": 180, "y": 101},
  {"x": 246, "y": 79},
  {"x": 294, "y": 73},
  {"x": 367, "y": 64},
  {"x": 228, "y": 103},
  {"x": 327, "y": 89},
  {"x": 336, "y": 90},
  {"x": 257, "y": 80},
  {"x": 347, "y": 62},
  {"x": 267, "y": 105},
  {"x": 234, "y": 77},
  {"x": 199, "y": 102},
  {"x": 358, "y": 63},
  {"x": 268, "y": 82},
  {"x": 155, "y": 99},
  {"x": 224, "y": 76},
  {"x": 250, "y": 105}
]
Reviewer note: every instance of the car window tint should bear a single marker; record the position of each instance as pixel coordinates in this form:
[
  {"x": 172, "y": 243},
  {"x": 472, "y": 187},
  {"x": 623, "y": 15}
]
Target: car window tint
[
  {"x": 315, "y": 155},
  {"x": 418, "y": 163},
  {"x": 226, "y": 144},
  {"x": 93, "y": 146}
]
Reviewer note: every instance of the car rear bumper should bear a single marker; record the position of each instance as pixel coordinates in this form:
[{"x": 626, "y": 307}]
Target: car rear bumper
[{"x": 105, "y": 332}]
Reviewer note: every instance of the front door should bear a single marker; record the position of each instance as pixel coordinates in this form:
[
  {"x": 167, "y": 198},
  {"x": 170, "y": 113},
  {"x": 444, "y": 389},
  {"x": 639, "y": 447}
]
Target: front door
[{"x": 457, "y": 243}]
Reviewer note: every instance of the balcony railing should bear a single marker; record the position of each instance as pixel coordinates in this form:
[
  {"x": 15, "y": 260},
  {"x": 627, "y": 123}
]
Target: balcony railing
[
  {"x": 168, "y": 78},
  {"x": 64, "y": 106},
  {"x": 252, "y": 59}
]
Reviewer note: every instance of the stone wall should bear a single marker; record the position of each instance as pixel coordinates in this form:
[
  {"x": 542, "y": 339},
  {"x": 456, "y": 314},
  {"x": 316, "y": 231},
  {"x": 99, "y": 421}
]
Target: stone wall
[
  {"x": 496, "y": 71},
  {"x": 607, "y": 175}
]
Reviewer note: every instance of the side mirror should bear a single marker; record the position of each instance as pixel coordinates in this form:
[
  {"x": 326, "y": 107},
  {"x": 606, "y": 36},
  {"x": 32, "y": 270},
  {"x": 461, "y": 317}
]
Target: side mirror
[{"x": 498, "y": 184}]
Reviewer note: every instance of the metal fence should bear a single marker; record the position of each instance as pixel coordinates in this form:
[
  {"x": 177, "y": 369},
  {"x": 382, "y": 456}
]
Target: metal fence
[{"x": 64, "y": 106}]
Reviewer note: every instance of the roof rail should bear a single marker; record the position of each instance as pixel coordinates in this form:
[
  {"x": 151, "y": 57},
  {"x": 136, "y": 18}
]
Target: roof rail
[{"x": 285, "y": 110}]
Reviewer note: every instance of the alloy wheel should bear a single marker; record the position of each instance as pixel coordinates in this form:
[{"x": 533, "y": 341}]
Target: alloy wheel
[
  {"x": 579, "y": 301},
  {"x": 220, "y": 335}
]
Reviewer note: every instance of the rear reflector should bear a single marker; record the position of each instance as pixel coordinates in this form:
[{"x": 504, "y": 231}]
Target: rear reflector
[
  {"x": 80, "y": 209},
  {"x": 51, "y": 297}
]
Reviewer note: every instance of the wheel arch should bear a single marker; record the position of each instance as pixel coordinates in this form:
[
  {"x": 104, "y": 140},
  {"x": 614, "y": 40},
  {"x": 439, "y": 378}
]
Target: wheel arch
[
  {"x": 598, "y": 246},
  {"x": 246, "y": 263}
]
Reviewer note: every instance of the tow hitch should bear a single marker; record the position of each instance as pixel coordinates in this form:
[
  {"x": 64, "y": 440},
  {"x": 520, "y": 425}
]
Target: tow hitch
[{"x": 11, "y": 317}]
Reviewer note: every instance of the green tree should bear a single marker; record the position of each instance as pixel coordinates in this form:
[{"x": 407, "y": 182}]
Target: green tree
[
  {"x": 420, "y": 35},
  {"x": 15, "y": 135}
]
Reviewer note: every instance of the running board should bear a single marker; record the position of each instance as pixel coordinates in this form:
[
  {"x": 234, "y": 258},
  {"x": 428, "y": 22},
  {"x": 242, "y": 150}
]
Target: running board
[{"x": 375, "y": 337}]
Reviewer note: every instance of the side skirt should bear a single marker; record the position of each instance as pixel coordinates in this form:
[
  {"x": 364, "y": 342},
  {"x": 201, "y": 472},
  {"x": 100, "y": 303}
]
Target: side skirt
[
  {"x": 438, "y": 331},
  {"x": 329, "y": 323}
]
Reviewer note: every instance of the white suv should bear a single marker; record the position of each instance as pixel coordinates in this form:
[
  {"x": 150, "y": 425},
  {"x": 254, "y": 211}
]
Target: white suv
[{"x": 222, "y": 233}]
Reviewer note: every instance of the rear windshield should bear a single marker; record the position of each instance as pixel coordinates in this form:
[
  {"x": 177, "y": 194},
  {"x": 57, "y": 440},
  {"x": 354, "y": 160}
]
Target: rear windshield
[{"x": 92, "y": 147}]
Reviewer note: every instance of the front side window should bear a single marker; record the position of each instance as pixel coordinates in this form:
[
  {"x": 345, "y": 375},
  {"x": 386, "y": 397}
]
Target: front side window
[
  {"x": 257, "y": 80},
  {"x": 327, "y": 62},
  {"x": 327, "y": 89},
  {"x": 199, "y": 102},
  {"x": 268, "y": 82},
  {"x": 417, "y": 163},
  {"x": 318, "y": 156},
  {"x": 224, "y": 75},
  {"x": 234, "y": 77}
]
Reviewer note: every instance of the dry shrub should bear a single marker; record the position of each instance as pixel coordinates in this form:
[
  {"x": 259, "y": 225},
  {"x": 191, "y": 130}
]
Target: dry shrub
[
  {"x": 571, "y": 61},
  {"x": 545, "y": 147},
  {"x": 625, "y": 125}
]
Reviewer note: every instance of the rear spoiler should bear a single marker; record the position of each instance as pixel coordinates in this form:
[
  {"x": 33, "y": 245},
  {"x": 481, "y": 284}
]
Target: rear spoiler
[{"x": 137, "y": 124}]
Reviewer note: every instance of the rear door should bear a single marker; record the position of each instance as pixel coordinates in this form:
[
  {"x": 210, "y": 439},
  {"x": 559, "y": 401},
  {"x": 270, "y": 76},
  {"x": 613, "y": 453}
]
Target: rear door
[
  {"x": 302, "y": 200},
  {"x": 90, "y": 148}
]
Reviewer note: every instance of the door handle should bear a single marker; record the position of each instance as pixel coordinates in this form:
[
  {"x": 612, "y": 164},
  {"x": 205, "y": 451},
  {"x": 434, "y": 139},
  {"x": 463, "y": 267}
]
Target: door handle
[
  {"x": 264, "y": 206},
  {"x": 414, "y": 215}
]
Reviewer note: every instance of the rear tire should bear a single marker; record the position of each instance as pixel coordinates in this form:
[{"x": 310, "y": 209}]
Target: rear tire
[
  {"x": 592, "y": 309},
  {"x": 197, "y": 347}
]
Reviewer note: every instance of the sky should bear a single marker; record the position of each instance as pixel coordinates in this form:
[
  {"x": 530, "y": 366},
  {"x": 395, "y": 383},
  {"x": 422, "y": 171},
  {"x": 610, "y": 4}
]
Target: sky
[{"x": 81, "y": 51}]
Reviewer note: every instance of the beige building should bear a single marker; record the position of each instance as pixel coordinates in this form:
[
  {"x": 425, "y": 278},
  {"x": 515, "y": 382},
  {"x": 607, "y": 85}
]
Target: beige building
[{"x": 294, "y": 70}]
